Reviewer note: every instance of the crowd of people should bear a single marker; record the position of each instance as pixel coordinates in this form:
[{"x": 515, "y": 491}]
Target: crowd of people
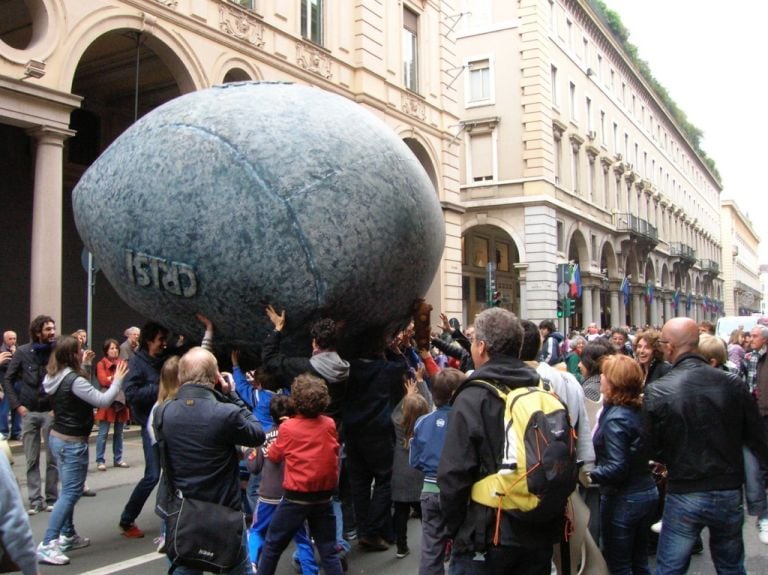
[{"x": 327, "y": 451}]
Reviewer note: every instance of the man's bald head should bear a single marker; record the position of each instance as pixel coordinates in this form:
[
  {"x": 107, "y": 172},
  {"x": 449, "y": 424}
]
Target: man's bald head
[
  {"x": 679, "y": 335},
  {"x": 198, "y": 365}
]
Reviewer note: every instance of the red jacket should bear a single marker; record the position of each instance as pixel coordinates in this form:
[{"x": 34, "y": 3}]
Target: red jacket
[{"x": 310, "y": 448}]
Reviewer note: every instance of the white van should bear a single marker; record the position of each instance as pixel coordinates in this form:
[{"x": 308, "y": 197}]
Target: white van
[{"x": 726, "y": 324}]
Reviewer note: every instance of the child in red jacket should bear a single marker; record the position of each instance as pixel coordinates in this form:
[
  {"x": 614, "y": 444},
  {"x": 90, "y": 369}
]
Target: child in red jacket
[{"x": 310, "y": 448}]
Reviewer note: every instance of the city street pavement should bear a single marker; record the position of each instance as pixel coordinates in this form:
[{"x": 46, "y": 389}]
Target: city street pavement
[{"x": 110, "y": 553}]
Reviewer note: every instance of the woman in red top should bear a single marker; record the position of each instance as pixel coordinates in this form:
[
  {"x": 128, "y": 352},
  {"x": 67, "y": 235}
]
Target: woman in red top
[{"x": 116, "y": 413}]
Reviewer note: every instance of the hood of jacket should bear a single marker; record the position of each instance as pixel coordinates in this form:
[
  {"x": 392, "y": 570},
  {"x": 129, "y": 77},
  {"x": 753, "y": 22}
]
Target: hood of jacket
[
  {"x": 557, "y": 336},
  {"x": 330, "y": 366},
  {"x": 52, "y": 382},
  {"x": 507, "y": 370}
]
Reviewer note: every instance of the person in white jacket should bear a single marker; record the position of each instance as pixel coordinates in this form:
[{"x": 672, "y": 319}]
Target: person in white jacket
[{"x": 73, "y": 399}]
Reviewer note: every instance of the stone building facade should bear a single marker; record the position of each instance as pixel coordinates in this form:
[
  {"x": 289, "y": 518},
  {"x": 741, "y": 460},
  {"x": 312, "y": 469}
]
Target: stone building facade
[
  {"x": 74, "y": 74},
  {"x": 569, "y": 157},
  {"x": 741, "y": 264}
]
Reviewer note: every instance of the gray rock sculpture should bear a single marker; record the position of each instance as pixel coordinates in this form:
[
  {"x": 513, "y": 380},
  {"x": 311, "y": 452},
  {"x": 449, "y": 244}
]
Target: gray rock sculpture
[{"x": 229, "y": 198}]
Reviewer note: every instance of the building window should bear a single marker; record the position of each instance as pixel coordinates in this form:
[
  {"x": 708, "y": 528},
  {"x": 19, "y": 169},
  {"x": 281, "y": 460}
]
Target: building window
[
  {"x": 615, "y": 138},
  {"x": 553, "y": 79},
  {"x": 599, "y": 67},
  {"x": 560, "y": 236},
  {"x": 410, "y": 50},
  {"x": 479, "y": 81},
  {"x": 575, "y": 170},
  {"x": 502, "y": 257},
  {"x": 589, "y": 114},
  {"x": 247, "y": 4},
  {"x": 558, "y": 160},
  {"x": 480, "y": 252},
  {"x": 312, "y": 20},
  {"x": 602, "y": 127},
  {"x": 572, "y": 91},
  {"x": 481, "y": 157}
]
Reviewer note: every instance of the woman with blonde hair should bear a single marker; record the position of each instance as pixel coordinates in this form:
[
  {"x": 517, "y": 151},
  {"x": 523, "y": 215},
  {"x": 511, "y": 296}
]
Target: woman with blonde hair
[{"x": 628, "y": 494}]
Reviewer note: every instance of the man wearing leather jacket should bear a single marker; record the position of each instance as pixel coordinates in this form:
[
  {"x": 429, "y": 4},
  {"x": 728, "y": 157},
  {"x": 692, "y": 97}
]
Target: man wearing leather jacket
[{"x": 699, "y": 418}]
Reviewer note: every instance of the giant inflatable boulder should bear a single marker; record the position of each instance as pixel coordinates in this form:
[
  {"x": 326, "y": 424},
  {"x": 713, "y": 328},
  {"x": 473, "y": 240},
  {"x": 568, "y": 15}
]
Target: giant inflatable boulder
[{"x": 224, "y": 200}]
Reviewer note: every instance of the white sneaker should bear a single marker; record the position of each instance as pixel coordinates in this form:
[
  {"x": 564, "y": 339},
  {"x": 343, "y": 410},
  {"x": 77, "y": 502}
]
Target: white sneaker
[
  {"x": 51, "y": 554},
  {"x": 762, "y": 530},
  {"x": 656, "y": 527}
]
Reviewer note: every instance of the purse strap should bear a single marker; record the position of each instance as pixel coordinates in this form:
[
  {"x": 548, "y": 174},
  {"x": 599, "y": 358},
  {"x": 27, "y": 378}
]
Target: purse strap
[{"x": 162, "y": 446}]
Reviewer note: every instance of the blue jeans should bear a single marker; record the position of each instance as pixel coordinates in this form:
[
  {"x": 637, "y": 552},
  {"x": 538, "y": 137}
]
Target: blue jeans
[
  {"x": 14, "y": 428},
  {"x": 626, "y": 520},
  {"x": 754, "y": 486},
  {"x": 117, "y": 442},
  {"x": 146, "y": 484},
  {"x": 289, "y": 517},
  {"x": 686, "y": 514},
  {"x": 262, "y": 517},
  {"x": 72, "y": 460},
  {"x": 243, "y": 568}
]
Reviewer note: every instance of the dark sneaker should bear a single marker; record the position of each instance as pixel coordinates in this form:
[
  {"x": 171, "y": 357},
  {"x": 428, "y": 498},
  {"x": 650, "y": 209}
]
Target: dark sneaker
[
  {"x": 74, "y": 542},
  {"x": 402, "y": 551},
  {"x": 375, "y": 543}
]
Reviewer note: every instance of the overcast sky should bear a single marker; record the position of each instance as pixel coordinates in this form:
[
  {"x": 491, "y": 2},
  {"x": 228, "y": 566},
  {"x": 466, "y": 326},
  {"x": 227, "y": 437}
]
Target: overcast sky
[{"x": 710, "y": 56}]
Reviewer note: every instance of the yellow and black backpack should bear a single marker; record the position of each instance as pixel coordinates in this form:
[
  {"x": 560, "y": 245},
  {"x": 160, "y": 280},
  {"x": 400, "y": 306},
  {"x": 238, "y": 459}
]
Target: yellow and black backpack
[{"x": 538, "y": 468}]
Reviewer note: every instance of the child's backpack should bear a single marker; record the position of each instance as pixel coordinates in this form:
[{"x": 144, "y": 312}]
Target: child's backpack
[{"x": 538, "y": 470}]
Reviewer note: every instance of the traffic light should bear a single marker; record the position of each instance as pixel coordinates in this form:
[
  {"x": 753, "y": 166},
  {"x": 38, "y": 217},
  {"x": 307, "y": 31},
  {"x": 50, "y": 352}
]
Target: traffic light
[
  {"x": 570, "y": 306},
  {"x": 560, "y": 310}
]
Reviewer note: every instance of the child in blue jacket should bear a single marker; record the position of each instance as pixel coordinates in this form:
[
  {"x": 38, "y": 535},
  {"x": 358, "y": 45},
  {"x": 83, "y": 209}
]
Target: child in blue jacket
[{"x": 426, "y": 448}]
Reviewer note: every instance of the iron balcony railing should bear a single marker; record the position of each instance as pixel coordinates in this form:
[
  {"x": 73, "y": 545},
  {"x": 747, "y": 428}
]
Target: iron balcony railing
[
  {"x": 633, "y": 224},
  {"x": 709, "y": 266},
  {"x": 683, "y": 251}
]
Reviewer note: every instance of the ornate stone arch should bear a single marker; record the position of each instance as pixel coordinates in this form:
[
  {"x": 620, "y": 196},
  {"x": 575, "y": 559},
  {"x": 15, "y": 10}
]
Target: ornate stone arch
[{"x": 175, "y": 53}]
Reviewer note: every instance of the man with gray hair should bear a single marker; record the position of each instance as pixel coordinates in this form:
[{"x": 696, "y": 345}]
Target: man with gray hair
[
  {"x": 473, "y": 446},
  {"x": 131, "y": 344},
  {"x": 202, "y": 429}
]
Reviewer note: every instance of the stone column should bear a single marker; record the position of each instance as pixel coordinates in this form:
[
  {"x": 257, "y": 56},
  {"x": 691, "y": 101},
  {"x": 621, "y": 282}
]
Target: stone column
[
  {"x": 655, "y": 319},
  {"x": 586, "y": 307},
  {"x": 522, "y": 270},
  {"x": 639, "y": 319},
  {"x": 596, "y": 308},
  {"x": 46, "y": 275},
  {"x": 617, "y": 307}
]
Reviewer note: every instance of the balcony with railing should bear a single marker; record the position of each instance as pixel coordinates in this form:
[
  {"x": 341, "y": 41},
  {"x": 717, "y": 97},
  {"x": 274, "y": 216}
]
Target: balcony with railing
[
  {"x": 637, "y": 228},
  {"x": 710, "y": 267},
  {"x": 684, "y": 252}
]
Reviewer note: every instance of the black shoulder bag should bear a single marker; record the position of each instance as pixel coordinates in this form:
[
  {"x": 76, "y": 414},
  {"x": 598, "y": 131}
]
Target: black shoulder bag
[{"x": 198, "y": 534}]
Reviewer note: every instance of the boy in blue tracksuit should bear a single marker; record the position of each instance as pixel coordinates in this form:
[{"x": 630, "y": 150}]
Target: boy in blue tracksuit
[
  {"x": 271, "y": 492},
  {"x": 426, "y": 448}
]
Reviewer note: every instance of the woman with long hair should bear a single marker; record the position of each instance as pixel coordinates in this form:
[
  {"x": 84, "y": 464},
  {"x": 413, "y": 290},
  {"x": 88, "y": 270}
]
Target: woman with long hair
[
  {"x": 117, "y": 413},
  {"x": 649, "y": 355},
  {"x": 73, "y": 399},
  {"x": 628, "y": 494}
]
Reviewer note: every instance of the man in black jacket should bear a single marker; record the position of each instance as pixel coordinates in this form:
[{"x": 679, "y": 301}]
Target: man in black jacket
[
  {"x": 699, "y": 419},
  {"x": 202, "y": 429},
  {"x": 141, "y": 386},
  {"x": 27, "y": 370},
  {"x": 473, "y": 446}
]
